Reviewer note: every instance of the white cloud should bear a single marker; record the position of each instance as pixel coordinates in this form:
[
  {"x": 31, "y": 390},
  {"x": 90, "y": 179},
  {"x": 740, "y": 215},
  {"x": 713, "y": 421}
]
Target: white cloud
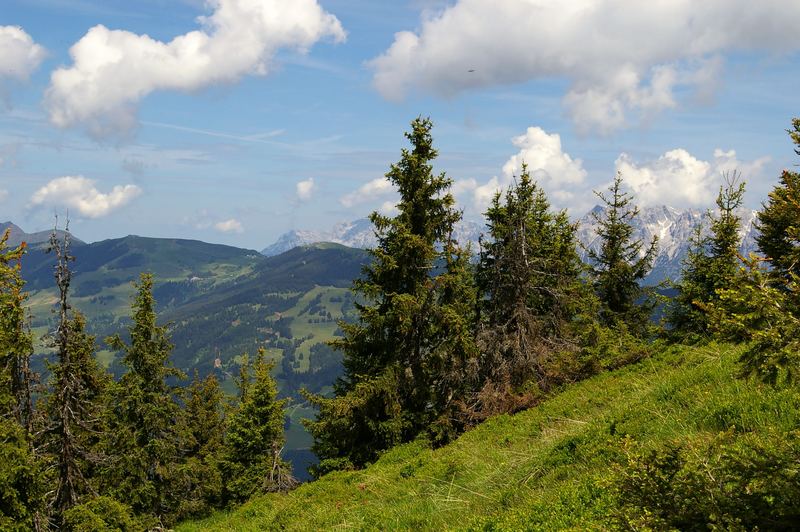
[
  {"x": 622, "y": 58},
  {"x": 19, "y": 55},
  {"x": 114, "y": 69},
  {"x": 375, "y": 189},
  {"x": 229, "y": 226},
  {"x": 554, "y": 170},
  {"x": 3, "y": 195},
  {"x": 389, "y": 208},
  {"x": 679, "y": 179},
  {"x": 80, "y": 194},
  {"x": 305, "y": 189}
]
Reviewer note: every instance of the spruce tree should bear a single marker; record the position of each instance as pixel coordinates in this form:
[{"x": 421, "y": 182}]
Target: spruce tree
[
  {"x": 22, "y": 479},
  {"x": 762, "y": 305},
  {"x": 778, "y": 221},
  {"x": 711, "y": 263},
  {"x": 529, "y": 277},
  {"x": 16, "y": 341},
  {"x": 621, "y": 263},
  {"x": 251, "y": 460},
  {"x": 142, "y": 440},
  {"x": 202, "y": 428},
  {"x": 74, "y": 404},
  {"x": 393, "y": 355}
]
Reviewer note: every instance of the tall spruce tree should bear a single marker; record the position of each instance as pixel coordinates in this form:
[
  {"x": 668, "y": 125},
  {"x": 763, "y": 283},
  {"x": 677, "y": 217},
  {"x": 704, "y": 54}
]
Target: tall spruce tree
[
  {"x": 251, "y": 460},
  {"x": 711, "y": 263},
  {"x": 393, "y": 355},
  {"x": 621, "y": 263},
  {"x": 22, "y": 482},
  {"x": 74, "y": 404},
  {"x": 16, "y": 341},
  {"x": 143, "y": 416},
  {"x": 529, "y": 279}
]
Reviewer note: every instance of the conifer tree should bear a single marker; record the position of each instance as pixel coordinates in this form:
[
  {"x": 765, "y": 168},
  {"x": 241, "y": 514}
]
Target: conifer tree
[
  {"x": 778, "y": 221},
  {"x": 762, "y": 304},
  {"x": 529, "y": 277},
  {"x": 202, "y": 431},
  {"x": 74, "y": 405},
  {"x": 254, "y": 439},
  {"x": 22, "y": 482},
  {"x": 16, "y": 342},
  {"x": 711, "y": 263},
  {"x": 393, "y": 355},
  {"x": 617, "y": 268},
  {"x": 143, "y": 417}
]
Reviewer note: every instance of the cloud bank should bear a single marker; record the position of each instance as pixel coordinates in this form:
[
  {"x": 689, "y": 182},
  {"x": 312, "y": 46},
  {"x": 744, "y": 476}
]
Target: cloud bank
[
  {"x": 679, "y": 179},
  {"x": 80, "y": 195},
  {"x": 623, "y": 59},
  {"x": 114, "y": 69}
]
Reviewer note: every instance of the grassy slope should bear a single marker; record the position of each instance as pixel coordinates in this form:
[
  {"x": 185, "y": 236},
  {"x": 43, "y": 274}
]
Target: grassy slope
[{"x": 547, "y": 468}]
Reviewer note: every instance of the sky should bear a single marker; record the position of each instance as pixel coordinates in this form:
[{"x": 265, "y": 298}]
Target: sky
[{"x": 234, "y": 121}]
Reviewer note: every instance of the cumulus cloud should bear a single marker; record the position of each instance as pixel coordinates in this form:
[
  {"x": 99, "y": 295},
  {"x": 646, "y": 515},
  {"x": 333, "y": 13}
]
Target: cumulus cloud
[
  {"x": 81, "y": 195},
  {"x": 680, "y": 179},
  {"x": 231, "y": 225},
  {"x": 3, "y": 195},
  {"x": 558, "y": 173},
  {"x": 19, "y": 54},
  {"x": 114, "y": 69},
  {"x": 371, "y": 191},
  {"x": 622, "y": 58},
  {"x": 305, "y": 189}
]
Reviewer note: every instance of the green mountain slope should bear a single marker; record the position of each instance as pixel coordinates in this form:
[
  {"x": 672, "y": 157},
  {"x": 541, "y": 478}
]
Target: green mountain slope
[
  {"x": 221, "y": 302},
  {"x": 548, "y": 468}
]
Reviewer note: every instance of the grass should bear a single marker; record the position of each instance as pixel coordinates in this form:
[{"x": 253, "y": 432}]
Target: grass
[{"x": 547, "y": 468}]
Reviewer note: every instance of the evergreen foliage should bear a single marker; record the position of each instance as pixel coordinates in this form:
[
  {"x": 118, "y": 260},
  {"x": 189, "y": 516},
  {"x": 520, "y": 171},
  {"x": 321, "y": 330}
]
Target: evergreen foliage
[
  {"x": 617, "y": 268},
  {"x": 73, "y": 407},
  {"x": 143, "y": 418},
  {"x": 731, "y": 483},
  {"x": 778, "y": 221},
  {"x": 411, "y": 328},
  {"x": 761, "y": 305},
  {"x": 711, "y": 263},
  {"x": 530, "y": 288},
  {"x": 100, "y": 513},
  {"x": 202, "y": 427},
  {"x": 251, "y": 461},
  {"x": 16, "y": 342},
  {"x": 22, "y": 483}
]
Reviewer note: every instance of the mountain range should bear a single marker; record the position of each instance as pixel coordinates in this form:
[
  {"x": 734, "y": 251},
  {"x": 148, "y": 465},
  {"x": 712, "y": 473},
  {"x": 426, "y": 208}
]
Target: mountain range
[{"x": 673, "y": 228}]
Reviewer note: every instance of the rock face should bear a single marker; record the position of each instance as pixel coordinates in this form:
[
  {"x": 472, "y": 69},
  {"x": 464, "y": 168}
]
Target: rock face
[{"x": 673, "y": 227}]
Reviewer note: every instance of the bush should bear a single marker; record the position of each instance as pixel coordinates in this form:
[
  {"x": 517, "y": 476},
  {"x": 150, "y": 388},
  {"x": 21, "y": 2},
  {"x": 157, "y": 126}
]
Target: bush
[
  {"x": 733, "y": 482},
  {"x": 101, "y": 513}
]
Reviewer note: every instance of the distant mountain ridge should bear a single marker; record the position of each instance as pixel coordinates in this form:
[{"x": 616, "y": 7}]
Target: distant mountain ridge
[
  {"x": 16, "y": 235},
  {"x": 673, "y": 227}
]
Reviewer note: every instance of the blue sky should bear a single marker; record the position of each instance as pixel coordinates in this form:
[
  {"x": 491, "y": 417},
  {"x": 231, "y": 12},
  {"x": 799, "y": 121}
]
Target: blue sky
[{"x": 286, "y": 114}]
